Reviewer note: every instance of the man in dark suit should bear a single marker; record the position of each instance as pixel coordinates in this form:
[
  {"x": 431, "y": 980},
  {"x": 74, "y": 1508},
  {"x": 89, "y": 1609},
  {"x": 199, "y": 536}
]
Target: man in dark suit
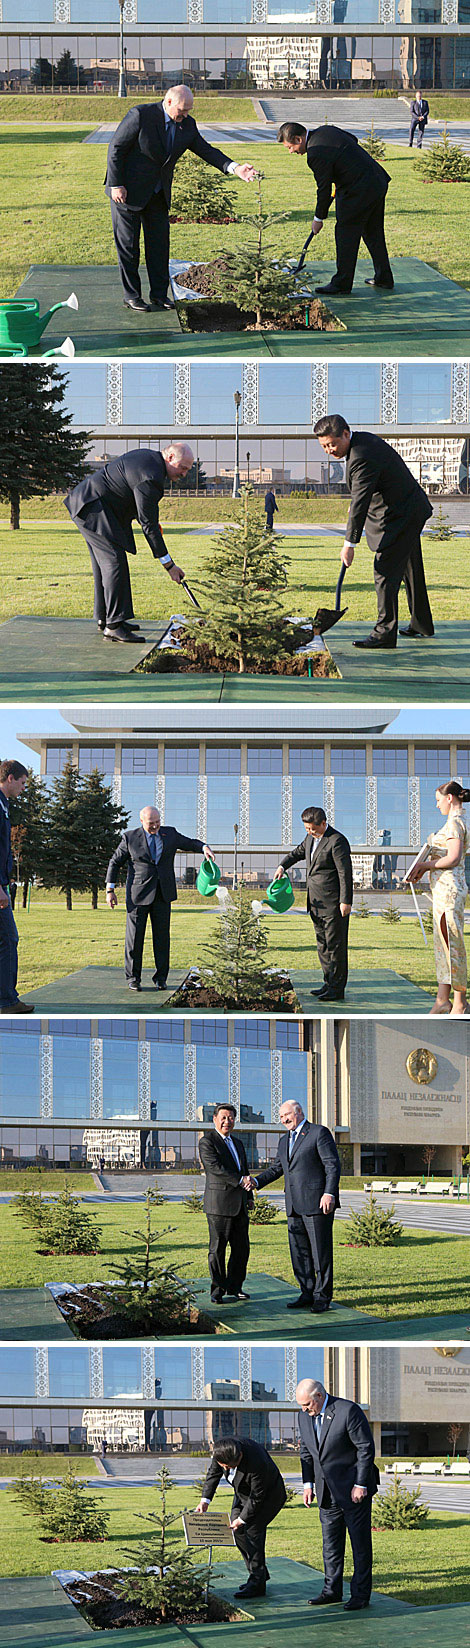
[
  {"x": 142, "y": 156},
  {"x": 13, "y": 778},
  {"x": 227, "y": 1198},
  {"x": 270, "y": 507},
  {"x": 337, "y": 1456},
  {"x": 149, "y": 854},
  {"x": 419, "y": 119},
  {"x": 328, "y": 861},
  {"x": 259, "y": 1494},
  {"x": 339, "y": 163},
  {"x": 308, "y": 1161},
  {"x": 390, "y": 506},
  {"x": 103, "y": 506}
]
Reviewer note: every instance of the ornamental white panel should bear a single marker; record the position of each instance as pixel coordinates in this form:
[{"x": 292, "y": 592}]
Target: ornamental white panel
[
  {"x": 414, "y": 812},
  {"x": 329, "y": 799},
  {"x": 245, "y": 1373},
  {"x": 46, "y": 1076},
  {"x": 202, "y": 807},
  {"x": 276, "y": 1083},
  {"x": 291, "y": 1372},
  {"x": 387, "y": 11},
  {"x": 389, "y": 392},
  {"x": 159, "y": 800},
  {"x": 96, "y": 1371},
  {"x": 286, "y": 811},
  {"x": 96, "y": 1077},
  {"x": 182, "y": 388},
  {"x": 130, "y": 11},
  {"x": 460, "y": 392},
  {"x": 197, "y": 1358},
  {"x": 189, "y": 1082},
  {"x": 148, "y": 1372},
  {"x": 244, "y": 827},
  {"x": 195, "y": 11},
  {"x": 234, "y": 1077},
  {"x": 117, "y": 789},
  {"x": 323, "y": 11},
  {"x": 144, "y": 1080},
  {"x": 42, "y": 1372},
  {"x": 450, "y": 11},
  {"x": 114, "y": 393},
  {"x": 250, "y": 384},
  {"x": 62, "y": 11},
  {"x": 371, "y": 808},
  {"x": 319, "y": 390}
]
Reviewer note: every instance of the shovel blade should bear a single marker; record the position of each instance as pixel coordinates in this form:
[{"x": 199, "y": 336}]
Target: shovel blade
[{"x": 325, "y": 617}]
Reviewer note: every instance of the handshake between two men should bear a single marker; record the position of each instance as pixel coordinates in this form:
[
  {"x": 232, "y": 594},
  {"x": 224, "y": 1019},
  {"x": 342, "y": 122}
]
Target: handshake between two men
[{"x": 308, "y": 1161}]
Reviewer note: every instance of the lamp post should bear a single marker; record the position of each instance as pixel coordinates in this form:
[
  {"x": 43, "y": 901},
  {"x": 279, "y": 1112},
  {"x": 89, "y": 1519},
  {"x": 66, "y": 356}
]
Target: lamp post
[
  {"x": 235, "y": 856},
  {"x": 236, "y": 473},
  {"x": 122, "y": 87},
  {"x": 248, "y": 456}
]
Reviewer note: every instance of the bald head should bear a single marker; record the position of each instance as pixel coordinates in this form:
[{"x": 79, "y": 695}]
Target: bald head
[
  {"x": 291, "y": 1114},
  {"x": 178, "y": 460},
  {"x": 310, "y": 1395},
  {"x": 150, "y": 820},
  {"x": 178, "y": 102}
]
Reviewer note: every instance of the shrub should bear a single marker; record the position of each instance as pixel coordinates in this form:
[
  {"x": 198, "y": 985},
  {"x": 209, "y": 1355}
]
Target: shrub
[
  {"x": 193, "y": 1201},
  {"x": 70, "y": 1511},
  {"x": 263, "y": 1212},
  {"x": 362, "y": 909},
  {"x": 30, "y": 1207},
  {"x": 373, "y": 145},
  {"x": 440, "y": 527},
  {"x": 373, "y": 1226},
  {"x": 31, "y": 1493},
  {"x": 200, "y": 194},
  {"x": 399, "y": 1507},
  {"x": 68, "y": 1227},
  {"x": 445, "y": 162},
  {"x": 148, "y": 1291},
  {"x": 391, "y": 913}
]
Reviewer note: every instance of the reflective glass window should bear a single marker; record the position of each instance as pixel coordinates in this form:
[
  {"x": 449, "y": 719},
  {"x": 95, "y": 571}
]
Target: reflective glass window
[
  {"x": 147, "y": 390},
  {"x": 355, "y": 392},
  {"x": 463, "y": 761},
  {"x": 221, "y": 1373},
  {"x": 222, "y": 760},
  {"x": 69, "y": 1371},
  {"x": 96, "y": 759},
  {"x": 424, "y": 392},
  {"x": 181, "y": 760},
  {"x": 17, "y": 1372},
  {"x": 430, "y": 818},
  {"x": 390, "y": 762},
  {"x": 284, "y": 394},
  {"x": 223, "y": 807},
  {"x": 86, "y": 393},
  {"x": 349, "y": 759},
  {"x": 264, "y": 760},
  {"x": 265, "y": 810},
  {"x": 140, "y": 760},
  {"x": 309, "y": 762},
  {"x": 120, "y": 1078},
  {"x": 310, "y": 1363},
  {"x": 350, "y": 809},
  {"x": 135, "y": 794},
  {"x": 392, "y": 810},
  {"x": 122, "y": 1370},
  {"x": 255, "y": 1085},
  {"x": 173, "y": 1372},
  {"x": 167, "y": 1082},
  {"x": 305, "y": 793},
  {"x": 431, "y": 761},
  {"x": 20, "y": 1084},
  {"x": 421, "y": 11},
  {"x": 212, "y": 1077},
  {"x": 294, "y": 1078},
  {"x": 209, "y": 1032},
  {"x": 212, "y": 391},
  {"x": 21, "y": 11},
  {"x": 56, "y": 758},
  {"x": 251, "y": 1032},
  {"x": 181, "y": 804},
  {"x": 97, "y": 11},
  {"x": 268, "y": 1373},
  {"x": 71, "y": 1076},
  {"x": 164, "y": 1029}
]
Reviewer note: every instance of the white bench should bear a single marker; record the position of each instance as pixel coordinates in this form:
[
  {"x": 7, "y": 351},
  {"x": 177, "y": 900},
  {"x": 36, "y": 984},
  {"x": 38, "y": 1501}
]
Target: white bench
[
  {"x": 428, "y": 1467},
  {"x": 406, "y": 1187},
  {"x": 402, "y": 1467},
  {"x": 378, "y": 1186},
  {"x": 459, "y": 1467},
  {"x": 434, "y": 1188}
]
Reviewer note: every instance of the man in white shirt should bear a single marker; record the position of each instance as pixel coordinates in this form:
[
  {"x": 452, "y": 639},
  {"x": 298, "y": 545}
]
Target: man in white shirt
[{"x": 227, "y": 1199}]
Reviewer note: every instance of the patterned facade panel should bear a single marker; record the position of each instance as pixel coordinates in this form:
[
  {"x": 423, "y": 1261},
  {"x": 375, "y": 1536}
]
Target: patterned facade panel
[
  {"x": 244, "y": 827},
  {"x": 114, "y": 394},
  {"x": 276, "y": 1083},
  {"x": 96, "y": 1372},
  {"x": 362, "y": 1078},
  {"x": 148, "y": 1372},
  {"x": 130, "y": 11},
  {"x": 61, "y": 11},
  {"x": 291, "y": 1372},
  {"x": 387, "y": 11},
  {"x": 144, "y": 1080},
  {"x": 245, "y": 1373},
  {"x": 182, "y": 382},
  {"x": 260, "y": 11},
  {"x": 389, "y": 392},
  {"x": 286, "y": 811},
  {"x": 460, "y": 392},
  {"x": 42, "y": 1372},
  {"x": 202, "y": 807},
  {"x": 250, "y": 383},
  {"x": 195, "y": 11},
  {"x": 189, "y": 1082},
  {"x": 159, "y": 800},
  {"x": 234, "y": 1077},
  {"x": 323, "y": 11},
  {"x": 371, "y": 805},
  {"x": 450, "y": 11},
  {"x": 117, "y": 790},
  {"x": 319, "y": 390},
  {"x": 414, "y": 812},
  {"x": 329, "y": 799},
  {"x": 96, "y": 1078},
  {"x": 46, "y": 1076},
  {"x": 197, "y": 1359}
]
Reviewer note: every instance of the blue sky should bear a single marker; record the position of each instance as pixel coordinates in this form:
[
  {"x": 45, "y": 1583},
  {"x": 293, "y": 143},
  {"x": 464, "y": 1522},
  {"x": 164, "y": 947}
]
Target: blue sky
[{"x": 46, "y": 718}]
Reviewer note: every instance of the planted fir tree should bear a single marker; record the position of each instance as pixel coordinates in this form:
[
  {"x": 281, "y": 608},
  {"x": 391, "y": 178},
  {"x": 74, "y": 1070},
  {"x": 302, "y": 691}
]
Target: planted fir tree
[
  {"x": 373, "y": 1226},
  {"x": 263, "y": 1211},
  {"x": 200, "y": 194},
  {"x": 373, "y": 144},
  {"x": 68, "y": 1227},
  {"x": 67, "y": 843},
  {"x": 251, "y": 276},
  {"x": 399, "y": 1507},
  {"x": 236, "y": 953},
  {"x": 178, "y": 1587},
  {"x": 440, "y": 527},
  {"x": 445, "y": 162},
  {"x": 30, "y": 1206},
  {"x": 148, "y": 1293},
  {"x": 244, "y": 626},
  {"x": 41, "y": 451},
  {"x": 70, "y": 1512}
]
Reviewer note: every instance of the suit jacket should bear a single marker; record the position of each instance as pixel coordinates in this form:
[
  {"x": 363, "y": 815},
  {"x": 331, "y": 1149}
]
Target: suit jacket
[
  {"x": 314, "y": 1167},
  {"x": 137, "y": 154},
  {"x": 346, "y": 1454},
  {"x": 336, "y": 159},
  {"x": 423, "y": 116},
  {"x": 270, "y": 503},
  {"x": 329, "y": 870},
  {"x": 132, "y": 486},
  {"x": 143, "y": 875},
  {"x": 384, "y": 494},
  {"x": 6, "y": 856},
  {"x": 258, "y": 1485},
  {"x": 223, "y": 1193}
]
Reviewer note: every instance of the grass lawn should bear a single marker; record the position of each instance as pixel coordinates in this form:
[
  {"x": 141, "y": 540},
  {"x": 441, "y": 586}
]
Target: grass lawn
[
  {"x": 426, "y": 1274},
  {"x": 429, "y": 1566},
  {"x": 45, "y": 571},
  {"x": 51, "y": 1464},
  {"x": 48, "y": 1181},
  {"x": 53, "y": 182},
  {"x": 54, "y": 942},
  {"x": 182, "y": 508},
  {"x": 101, "y": 109}
]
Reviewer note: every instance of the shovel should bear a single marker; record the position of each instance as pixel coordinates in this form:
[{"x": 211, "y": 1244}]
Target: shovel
[
  {"x": 300, "y": 264},
  {"x": 189, "y": 592},
  {"x": 325, "y": 617}
]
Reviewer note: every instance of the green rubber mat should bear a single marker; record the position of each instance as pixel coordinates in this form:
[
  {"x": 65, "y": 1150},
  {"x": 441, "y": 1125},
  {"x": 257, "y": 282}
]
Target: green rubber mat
[
  {"x": 378, "y": 991},
  {"x": 267, "y": 1317},
  {"x": 427, "y": 314},
  {"x": 47, "y": 658},
  {"x": 30, "y": 1313},
  {"x": 32, "y": 1609},
  {"x": 105, "y": 988}
]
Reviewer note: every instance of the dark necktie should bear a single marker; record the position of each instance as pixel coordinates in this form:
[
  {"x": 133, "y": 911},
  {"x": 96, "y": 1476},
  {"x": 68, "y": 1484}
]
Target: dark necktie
[{"x": 170, "y": 134}]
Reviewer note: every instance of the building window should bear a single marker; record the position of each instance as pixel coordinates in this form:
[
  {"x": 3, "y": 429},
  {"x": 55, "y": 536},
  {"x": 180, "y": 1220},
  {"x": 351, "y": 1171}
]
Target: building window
[
  {"x": 182, "y": 761},
  {"x": 222, "y": 760},
  {"x": 251, "y": 1032},
  {"x": 92, "y": 760},
  {"x": 390, "y": 763},
  {"x": 120, "y": 1078},
  {"x": 164, "y": 1029},
  {"x": 71, "y": 1076},
  {"x": 167, "y": 1083},
  {"x": 209, "y": 1032},
  {"x": 122, "y": 1371},
  {"x": 17, "y": 1372},
  {"x": 69, "y": 1372},
  {"x": 264, "y": 760},
  {"x": 19, "y": 1075},
  {"x": 139, "y": 760},
  {"x": 432, "y": 762},
  {"x": 289, "y": 1035},
  {"x": 306, "y": 762},
  {"x": 173, "y": 1373},
  {"x": 347, "y": 760},
  {"x": 56, "y": 759}
]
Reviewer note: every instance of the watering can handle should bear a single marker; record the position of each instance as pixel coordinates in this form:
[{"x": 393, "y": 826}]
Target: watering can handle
[{"x": 339, "y": 586}]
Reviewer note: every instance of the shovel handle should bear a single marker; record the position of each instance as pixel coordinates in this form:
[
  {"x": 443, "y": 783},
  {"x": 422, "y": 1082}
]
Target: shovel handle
[
  {"x": 339, "y": 586},
  {"x": 189, "y": 592}
]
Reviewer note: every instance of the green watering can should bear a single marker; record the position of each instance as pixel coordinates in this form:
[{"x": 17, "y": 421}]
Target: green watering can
[
  {"x": 280, "y": 895},
  {"x": 208, "y": 878},
  {"x": 22, "y": 326}
]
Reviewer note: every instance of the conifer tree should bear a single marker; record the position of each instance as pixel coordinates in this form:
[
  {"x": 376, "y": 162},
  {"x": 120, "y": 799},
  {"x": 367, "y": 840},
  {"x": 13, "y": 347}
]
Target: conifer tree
[
  {"x": 148, "y": 1292},
  {"x": 245, "y": 574},
  {"x": 40, "y": 450},
  {"x": 251, "y": 276},
  {"x": 233, "y": 958},
  {"x": 27, "y": 815},
  {"x": 67, "y": 1226},
  {"x": 399, "y": 1507},
  {"x": 201, "y": 195},
  {"x": 71, "y": 1512},
  {"x": 104, "y": 822},
  {"x": 67, "y": 844}
]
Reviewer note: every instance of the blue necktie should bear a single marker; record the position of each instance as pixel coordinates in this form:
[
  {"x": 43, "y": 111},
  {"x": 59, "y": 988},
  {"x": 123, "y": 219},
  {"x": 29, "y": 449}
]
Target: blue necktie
[
  {"x": 170, "y": 134},
  {"x": 318, "y": 1426}
]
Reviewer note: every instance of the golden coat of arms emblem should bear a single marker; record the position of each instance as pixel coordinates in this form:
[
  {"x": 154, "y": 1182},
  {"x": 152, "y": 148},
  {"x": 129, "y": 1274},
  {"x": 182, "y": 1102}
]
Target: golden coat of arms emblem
[{"x": 421, "y": 1066}]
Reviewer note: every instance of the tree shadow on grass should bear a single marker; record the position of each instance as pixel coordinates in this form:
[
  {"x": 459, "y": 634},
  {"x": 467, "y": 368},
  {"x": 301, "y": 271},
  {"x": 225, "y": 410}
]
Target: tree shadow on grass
[{"x": 54, "y": 138}]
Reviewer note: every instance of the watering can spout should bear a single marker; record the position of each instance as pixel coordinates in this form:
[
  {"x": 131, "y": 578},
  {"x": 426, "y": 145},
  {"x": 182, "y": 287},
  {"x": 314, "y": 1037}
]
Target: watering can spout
[
  {"x": 66, "y": 348},
  {"x": 67, "y": 303}
]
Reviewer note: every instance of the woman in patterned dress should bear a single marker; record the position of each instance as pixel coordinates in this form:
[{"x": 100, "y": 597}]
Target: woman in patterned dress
[{"x": 446, "y": 865}]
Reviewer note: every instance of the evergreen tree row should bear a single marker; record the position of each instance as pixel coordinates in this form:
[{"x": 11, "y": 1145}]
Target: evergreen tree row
[{"x": 63, "y": 835}]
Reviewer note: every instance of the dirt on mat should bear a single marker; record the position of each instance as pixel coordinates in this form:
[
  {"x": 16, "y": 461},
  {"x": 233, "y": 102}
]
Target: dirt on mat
[
  {"x": 98, "y": 1599},
  {"x": 276, "y": 993},
  {"x": 91, "y": 1316},
  {"x": 195, "y": 657},
  {"x": 220, "y": 315}
]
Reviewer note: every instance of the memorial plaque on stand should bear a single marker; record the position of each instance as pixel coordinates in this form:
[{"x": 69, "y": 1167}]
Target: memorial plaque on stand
[{"x": 207, "y": 1528}]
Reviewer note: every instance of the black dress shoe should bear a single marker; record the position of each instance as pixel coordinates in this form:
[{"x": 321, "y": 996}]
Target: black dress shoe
[
  {"x": 134, "y": 984},
  {"x": 318, "y": 1308},
  {"x": 302, "y": 1303},
  {"x": 324, "y": 1597},
  {"x": 415, "y": 634},
  {"x": 160, "y": 303},
  {"x": 354, "y": 1604},
  {"x": 319, "y": 992},
  {"x": 332, "y": 995},
  {"x": 122, "y": 632},
  {"x": 332, "y": 291},
  {"x": 216, "y": 1298},
  {"x": 243, "y": 1295},
  {"x": 128, "y": 622},
  {"x": 251, "y": 1589},
  {"x": 18, "y": 1007},
  {"x": 373, "y": 644},
  {"x": 137, "y": 303},
  {"x": 161, "y": 984},
  {"x": 230, "y": 1298},
  {"x": 382, "y": 285}
]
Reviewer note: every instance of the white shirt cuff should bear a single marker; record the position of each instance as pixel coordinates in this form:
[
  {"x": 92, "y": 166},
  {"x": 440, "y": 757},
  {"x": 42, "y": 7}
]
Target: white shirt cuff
[
  {"x": 166, "y": 560},
  {"x": 348, "y": 545},
  {"x": 318, "y": 219},
  {"x": 233, "y": 166},
  {"x": 110, "y": 885},
  {"x": 204, "y": 1500}
]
